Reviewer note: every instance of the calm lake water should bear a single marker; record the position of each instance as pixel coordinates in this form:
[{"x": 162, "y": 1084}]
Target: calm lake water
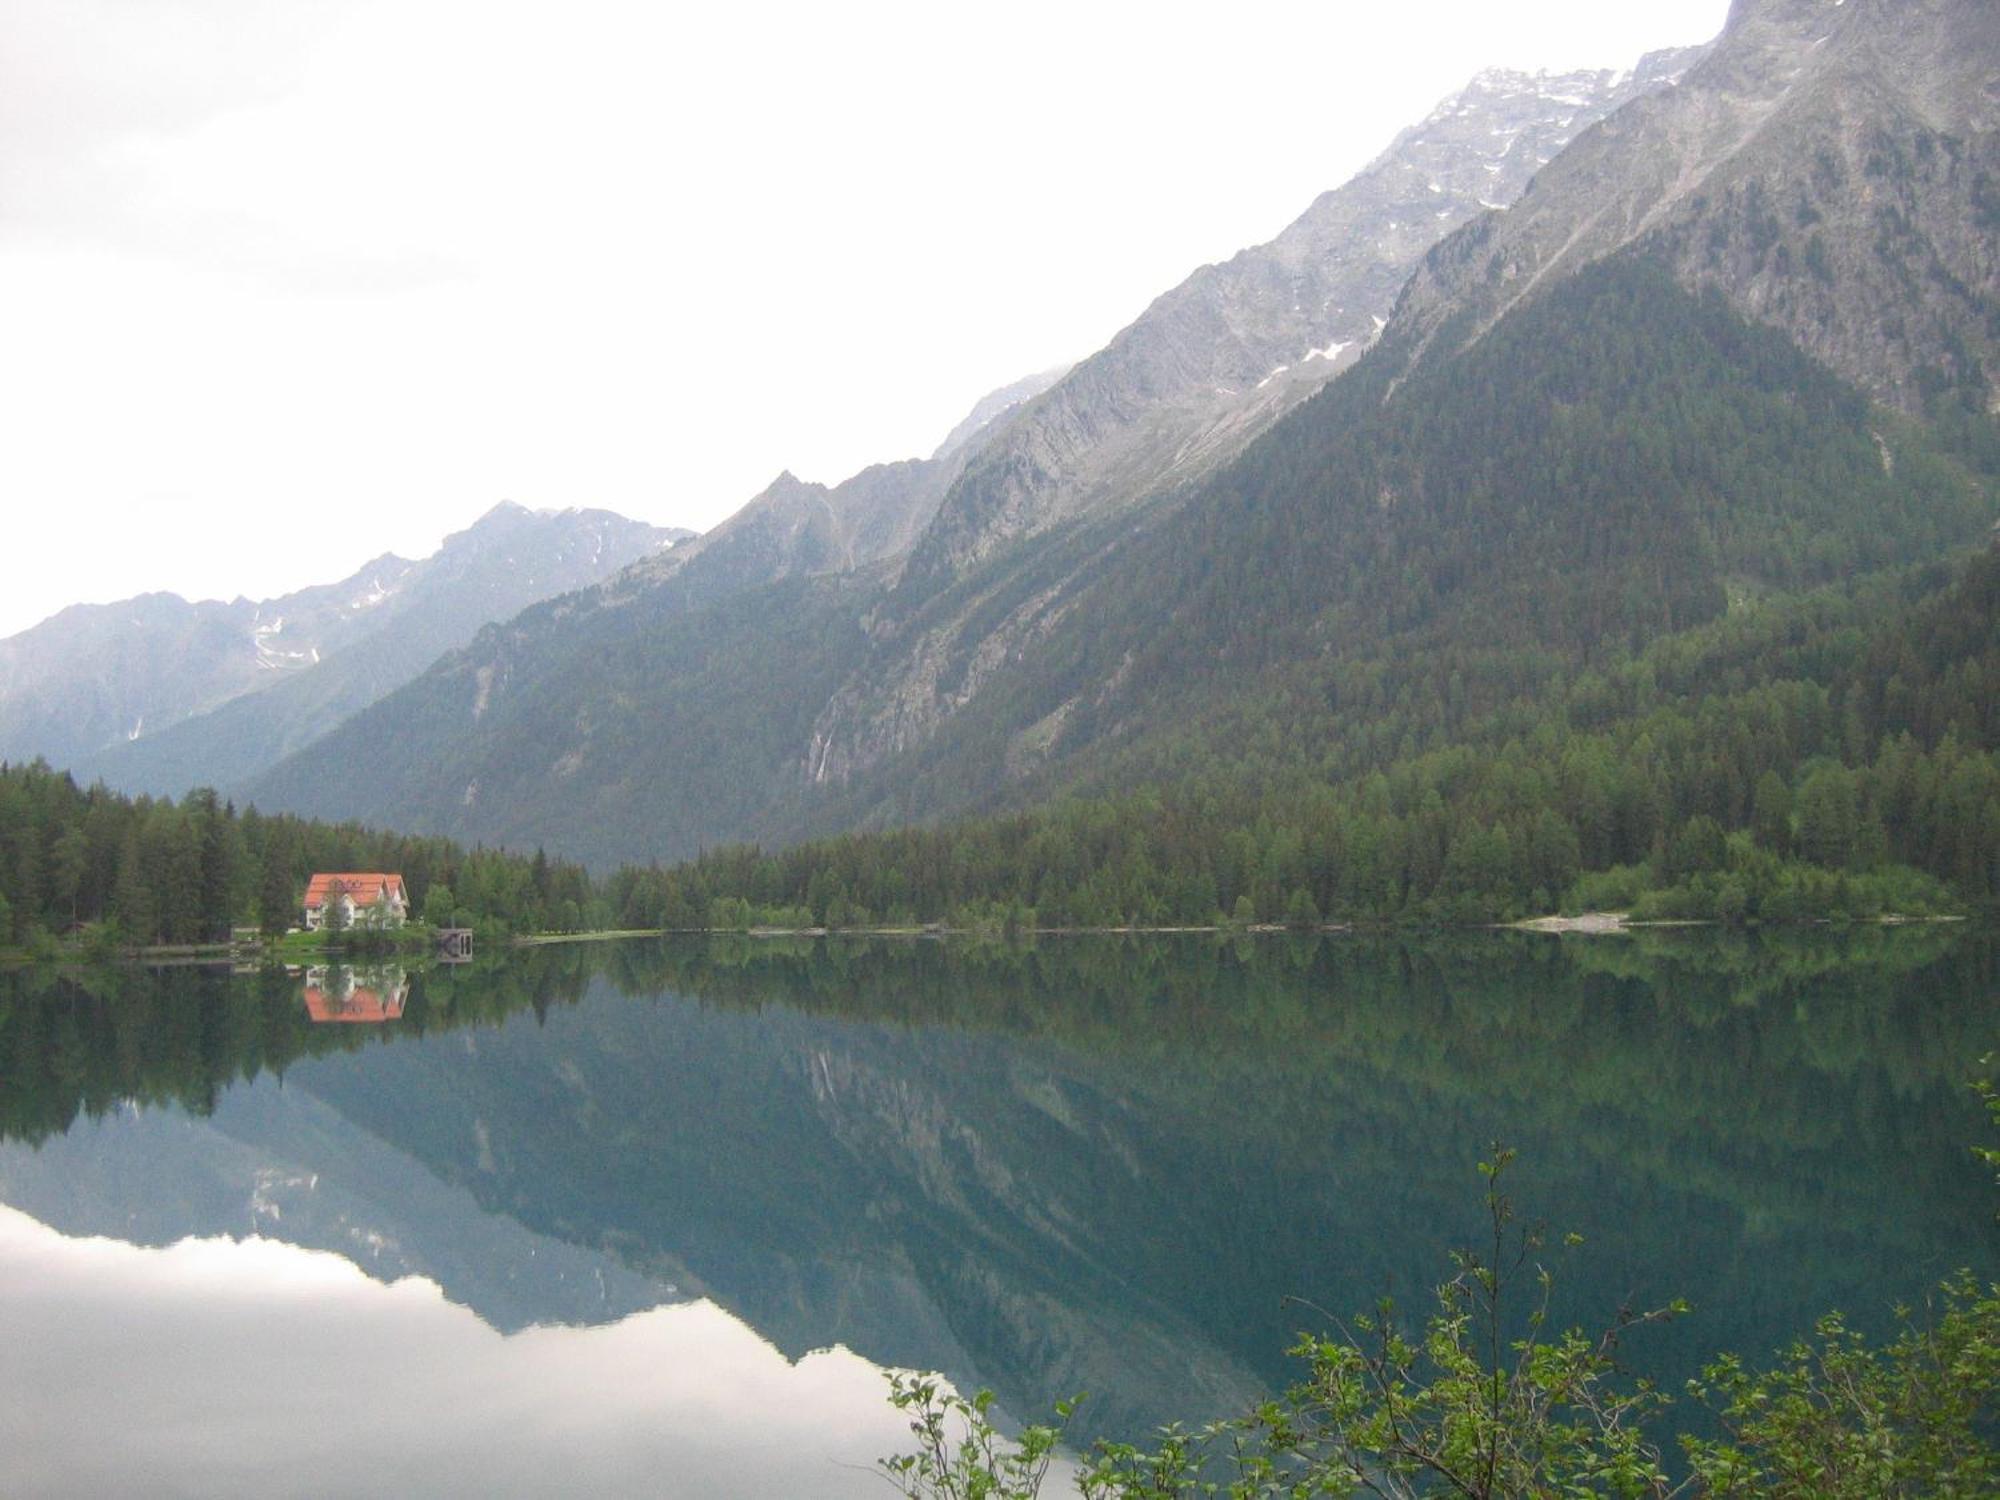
[{"x": 651, "y": 1219}]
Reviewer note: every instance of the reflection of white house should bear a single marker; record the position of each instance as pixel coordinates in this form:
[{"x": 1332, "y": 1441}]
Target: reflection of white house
[
  {"x": 365, "y": 900},
  {"x": 368, "y": 996}
]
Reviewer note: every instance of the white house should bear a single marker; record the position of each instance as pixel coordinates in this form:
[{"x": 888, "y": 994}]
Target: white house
[{"x": 361, "y": 900}]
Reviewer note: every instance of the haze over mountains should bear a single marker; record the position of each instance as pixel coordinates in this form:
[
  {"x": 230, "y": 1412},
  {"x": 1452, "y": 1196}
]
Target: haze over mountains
[
  {"x": 122, "y": 690},
  {"x": 1615, "y": 354}
]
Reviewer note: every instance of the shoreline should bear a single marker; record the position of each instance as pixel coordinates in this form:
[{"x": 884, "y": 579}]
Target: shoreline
[
  {"x": 1584, "y": 924},
  {"x": 1590, "y": 923}
]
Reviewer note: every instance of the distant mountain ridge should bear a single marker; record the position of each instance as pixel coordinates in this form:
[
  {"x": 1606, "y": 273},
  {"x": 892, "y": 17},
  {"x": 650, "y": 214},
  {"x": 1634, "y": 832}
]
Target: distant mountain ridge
[
  {"x": 117, "y": 689},
  {"x": 1217, "y": 359},
  {"x": 794, "y": 527}
]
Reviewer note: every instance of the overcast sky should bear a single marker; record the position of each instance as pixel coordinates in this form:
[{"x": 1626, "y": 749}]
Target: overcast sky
[{"x": 288, "y": 283}]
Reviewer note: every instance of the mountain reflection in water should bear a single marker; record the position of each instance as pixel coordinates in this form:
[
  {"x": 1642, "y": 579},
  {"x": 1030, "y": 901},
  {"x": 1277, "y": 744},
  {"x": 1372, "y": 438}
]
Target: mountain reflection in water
[
  {"x": 1090, "y": 1165},
  {"x": 172, "y": 1371}
]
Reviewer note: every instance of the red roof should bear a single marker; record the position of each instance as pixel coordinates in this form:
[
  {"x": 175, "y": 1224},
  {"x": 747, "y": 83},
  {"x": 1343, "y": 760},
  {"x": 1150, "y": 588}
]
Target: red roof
[
  {"x": 361, "y": 889},
  {"x": 369, "y": 1007}
]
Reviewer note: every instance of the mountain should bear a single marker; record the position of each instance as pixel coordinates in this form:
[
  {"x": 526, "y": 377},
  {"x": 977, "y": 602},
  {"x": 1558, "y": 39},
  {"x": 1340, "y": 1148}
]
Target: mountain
[
  {"x": 1833, "y": 169},
  {"x": 158, "y": 694},
  {"x": 1199, "y": 373},
  {"x": 796, "y": 528},
  {"x": 1202, "y": 361},
  {"x": 1540, "y": 468},
  {"x": 1388, "y": 487},
  {"x": 95, "y": 674},
  {"x": 1214, "y": 361}
]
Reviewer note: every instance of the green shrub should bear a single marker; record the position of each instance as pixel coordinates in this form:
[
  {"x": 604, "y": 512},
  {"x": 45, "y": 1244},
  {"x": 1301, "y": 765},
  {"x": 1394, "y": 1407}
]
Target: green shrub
[{"x": 1615, "y": 889}]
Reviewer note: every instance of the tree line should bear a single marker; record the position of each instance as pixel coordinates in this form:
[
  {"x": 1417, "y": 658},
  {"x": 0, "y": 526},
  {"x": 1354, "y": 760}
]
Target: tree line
[
  {"x": 1829, "y": 754},
  {"x": 160, "y": 871},
  {"x": 1834, "y": 753}
]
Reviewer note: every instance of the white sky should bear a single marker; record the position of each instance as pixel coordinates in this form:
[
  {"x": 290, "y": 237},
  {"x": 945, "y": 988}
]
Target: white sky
[{"x": 288, "y": 283}]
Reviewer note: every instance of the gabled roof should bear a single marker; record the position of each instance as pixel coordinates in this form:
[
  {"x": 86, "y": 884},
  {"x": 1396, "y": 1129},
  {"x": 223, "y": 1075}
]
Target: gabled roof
[
  {"x": 362, "y": 889},
  {"x": 363, "y": 1006}
]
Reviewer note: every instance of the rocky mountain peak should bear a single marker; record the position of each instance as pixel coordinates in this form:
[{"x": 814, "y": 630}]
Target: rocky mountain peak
[
  {"x": 1213, "y": 362},
  {"x": 788, "y": 483},
  {"x": 996, "y": 407},
  {"x": 1748, "y": 14},
  {"x": 1828, "y": 168},
  {"x": 795, "y": 526}
]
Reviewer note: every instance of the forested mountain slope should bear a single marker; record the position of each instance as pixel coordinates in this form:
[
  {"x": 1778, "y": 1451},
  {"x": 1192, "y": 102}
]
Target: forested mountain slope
[
  {"x": 751, "y": 624},
  {"x": 1508, "y": 494},
  {"x": 1608, "y": 466},
  {"x": 1825, "y": 755}
]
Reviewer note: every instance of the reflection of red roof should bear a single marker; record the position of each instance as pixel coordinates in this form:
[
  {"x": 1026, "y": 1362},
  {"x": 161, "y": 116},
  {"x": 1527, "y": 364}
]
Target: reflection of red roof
[
  {"x": 368, "y": 1006},
  {"x": 361, "y": 889}
]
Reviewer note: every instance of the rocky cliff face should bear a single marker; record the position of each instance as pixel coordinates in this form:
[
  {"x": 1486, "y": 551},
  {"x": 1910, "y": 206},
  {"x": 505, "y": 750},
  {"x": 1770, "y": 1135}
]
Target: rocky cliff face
[
  {"x": 1214, "y": 361},
  {"x": 1832, "y": 168}
]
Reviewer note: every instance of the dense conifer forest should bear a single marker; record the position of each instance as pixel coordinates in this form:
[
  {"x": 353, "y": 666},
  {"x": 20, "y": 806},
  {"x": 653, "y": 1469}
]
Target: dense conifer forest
[
  {"x": 1829, "y": 754},
  {"x": 149, "y": 871}
]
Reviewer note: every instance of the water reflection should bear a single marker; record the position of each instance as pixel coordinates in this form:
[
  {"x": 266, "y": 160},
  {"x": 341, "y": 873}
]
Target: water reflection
[
  {"x": 179, "y": 1364},
  {"x": 1095, "y": 1166},
  {"x": 367, "y": 995}
]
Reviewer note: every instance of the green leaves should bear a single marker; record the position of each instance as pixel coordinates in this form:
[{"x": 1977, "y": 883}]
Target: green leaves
[
  {"x": 959, "y": 1453},
  {"x": 1838, "y": 1419}
]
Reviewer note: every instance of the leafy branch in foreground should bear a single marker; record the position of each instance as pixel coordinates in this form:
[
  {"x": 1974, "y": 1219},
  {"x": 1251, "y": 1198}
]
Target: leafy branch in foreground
[
  {"x": 1463, "y": 1409},
  {"x": 1840, "y": 1420},
  {"x": 960, "y": 1453}
]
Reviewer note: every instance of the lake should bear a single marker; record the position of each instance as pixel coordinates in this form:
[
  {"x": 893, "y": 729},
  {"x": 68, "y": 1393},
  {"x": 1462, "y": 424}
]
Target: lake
[{"x": 653, "y": 1218}]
